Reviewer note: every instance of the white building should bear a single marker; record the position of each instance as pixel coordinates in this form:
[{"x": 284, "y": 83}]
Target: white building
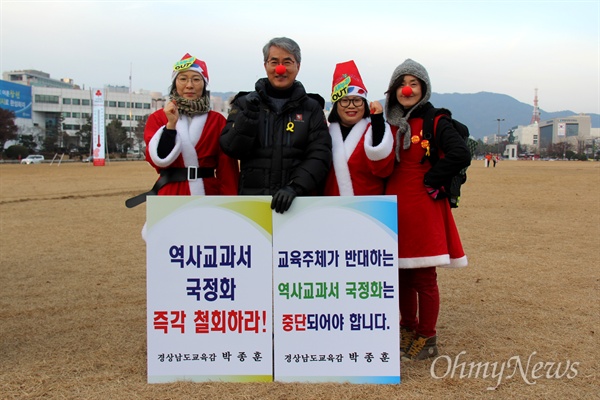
[
  {"x": 74, "y": 107},
  {"x": 53, "y": 101},
  {"x": 574, "y": 131},
  {"x": 527, "y": 136}
]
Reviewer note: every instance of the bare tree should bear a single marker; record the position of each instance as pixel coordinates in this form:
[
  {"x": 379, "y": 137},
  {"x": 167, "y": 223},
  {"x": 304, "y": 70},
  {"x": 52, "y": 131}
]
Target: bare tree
[
  {"x": 85, "y": 135},
  {"x": 116, "y": 137},
  {"x": 139, "y": 132}
]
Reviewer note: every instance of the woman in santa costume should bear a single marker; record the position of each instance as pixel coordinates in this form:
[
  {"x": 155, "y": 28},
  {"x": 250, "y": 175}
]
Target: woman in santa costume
[
  {"x": 360, "y": 138},
  {"x": 427, "y": 234},
  {"x": 182, "y": 139}
]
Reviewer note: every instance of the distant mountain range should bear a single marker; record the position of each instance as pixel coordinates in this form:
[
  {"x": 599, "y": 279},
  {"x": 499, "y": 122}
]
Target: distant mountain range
[{"x": 480, "y": 111}]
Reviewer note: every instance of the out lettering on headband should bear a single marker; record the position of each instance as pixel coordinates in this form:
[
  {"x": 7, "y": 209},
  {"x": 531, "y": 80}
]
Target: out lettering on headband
[
  {"x": 341, "y": 89},
  {"x": 184, "y": 64}
]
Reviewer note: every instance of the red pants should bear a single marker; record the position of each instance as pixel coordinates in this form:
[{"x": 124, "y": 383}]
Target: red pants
[{"x": 419, "y": 300}]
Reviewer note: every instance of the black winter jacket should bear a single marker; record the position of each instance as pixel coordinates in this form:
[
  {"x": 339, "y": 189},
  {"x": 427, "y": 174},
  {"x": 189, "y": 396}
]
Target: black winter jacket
[{"x": 290, "y": 147}]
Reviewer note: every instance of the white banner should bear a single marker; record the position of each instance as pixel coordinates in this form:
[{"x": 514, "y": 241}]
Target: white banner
[
  {"x": 209, "y": 288},
  {"x": 562, "y": 129},
  {"x": 336, "y": 316},
  {"x": 98, "y": 127},
  {"x": 236, "y": 292}
]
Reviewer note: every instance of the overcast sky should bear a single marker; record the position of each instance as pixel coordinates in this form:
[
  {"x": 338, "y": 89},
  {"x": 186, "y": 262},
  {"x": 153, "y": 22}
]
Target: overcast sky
[{"x": 507, "y": 47}]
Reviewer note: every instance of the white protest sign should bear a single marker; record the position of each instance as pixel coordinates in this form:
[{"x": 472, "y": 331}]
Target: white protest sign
[
  {"x": 335, "y": 283},
  {"x": 209, "y": 288}
]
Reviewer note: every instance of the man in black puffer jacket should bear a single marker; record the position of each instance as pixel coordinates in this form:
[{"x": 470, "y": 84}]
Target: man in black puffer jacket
[{"x": 279, "y": 132}]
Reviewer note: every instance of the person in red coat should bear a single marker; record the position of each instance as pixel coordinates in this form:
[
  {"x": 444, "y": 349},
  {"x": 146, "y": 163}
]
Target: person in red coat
[
  {"x": 427, "y": 234},
  {"x": 182, "y": 139},
  {"x": 360, "y": 138}
]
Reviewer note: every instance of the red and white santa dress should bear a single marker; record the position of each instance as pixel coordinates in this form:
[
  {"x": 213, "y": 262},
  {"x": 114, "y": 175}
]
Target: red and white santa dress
[
  {"x": 427, "y": 233},
  {"x": 196, "y": 144},
  {"x": 355, "y": 171},
  {"x": 358, "y": 167}
]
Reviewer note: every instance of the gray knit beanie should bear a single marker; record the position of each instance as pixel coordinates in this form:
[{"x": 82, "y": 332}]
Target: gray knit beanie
[{"x": 394, "y": 111}]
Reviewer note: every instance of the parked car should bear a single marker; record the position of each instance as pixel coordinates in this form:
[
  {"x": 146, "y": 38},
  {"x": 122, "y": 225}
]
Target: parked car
[{"x": 33, "y": 159}]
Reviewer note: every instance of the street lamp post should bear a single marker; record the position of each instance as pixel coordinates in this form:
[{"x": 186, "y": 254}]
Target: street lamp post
[{"x": 498, "y": 135}]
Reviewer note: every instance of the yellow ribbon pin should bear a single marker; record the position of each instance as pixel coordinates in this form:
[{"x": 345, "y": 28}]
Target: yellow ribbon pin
[{"x": 290, "y": 127}]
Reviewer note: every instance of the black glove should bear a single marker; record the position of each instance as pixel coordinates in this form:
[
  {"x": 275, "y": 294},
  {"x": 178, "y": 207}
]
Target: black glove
[
  {"x": 378, "y": 128},
  {"x": 282, "y": 200},
  {"x": 252, "y": 106}
]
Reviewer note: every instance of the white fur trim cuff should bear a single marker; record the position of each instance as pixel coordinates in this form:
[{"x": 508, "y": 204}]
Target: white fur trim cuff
[
  {"x": 383, "y": 149},
  {"x": 153, "y": 150}
]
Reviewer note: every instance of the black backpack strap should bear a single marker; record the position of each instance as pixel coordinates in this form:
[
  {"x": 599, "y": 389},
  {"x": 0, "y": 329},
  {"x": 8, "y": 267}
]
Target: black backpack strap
[{"x": 429, "y": 132}]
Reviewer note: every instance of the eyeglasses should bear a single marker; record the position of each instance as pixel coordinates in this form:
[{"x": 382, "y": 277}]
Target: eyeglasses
[
  {"x": 196, "y": 80},
  {"x": 356, "y": 101},
  {"x": 286, "y": 63}
]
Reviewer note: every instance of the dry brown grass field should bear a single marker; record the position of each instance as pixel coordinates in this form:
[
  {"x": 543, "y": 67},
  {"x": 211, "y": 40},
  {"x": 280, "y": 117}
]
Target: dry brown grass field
[{"x": 73, "y": 295}]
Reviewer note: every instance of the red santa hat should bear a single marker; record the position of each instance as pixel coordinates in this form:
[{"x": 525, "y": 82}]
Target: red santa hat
[
  {"x": 347, "y": 82},
  {"x": 190, "y": 63}
]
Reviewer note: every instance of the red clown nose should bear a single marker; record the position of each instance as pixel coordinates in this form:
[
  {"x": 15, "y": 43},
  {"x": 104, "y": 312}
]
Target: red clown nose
[
  {"x": 280, "y": 69},
  {"x": 406, "y": 91}
]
